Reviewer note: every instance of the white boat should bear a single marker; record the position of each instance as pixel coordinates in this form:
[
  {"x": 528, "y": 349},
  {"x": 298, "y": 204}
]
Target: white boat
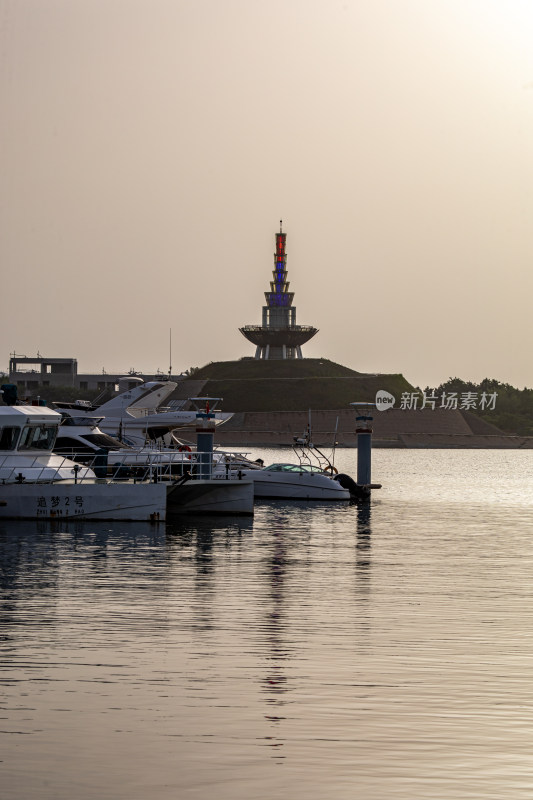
[
  {"x": 138, "y": 415},
  {"x": 303, "y": 480},
  {"x": 35, "y": 483},
  {"x": 81, "y": 439},
  {"x": 295, "y": 482}
]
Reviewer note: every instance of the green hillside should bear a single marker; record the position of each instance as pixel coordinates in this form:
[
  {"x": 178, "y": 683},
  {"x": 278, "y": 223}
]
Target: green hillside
[
  {"x": 295, "y": 385},
  {"x": 251, "y": 368}
]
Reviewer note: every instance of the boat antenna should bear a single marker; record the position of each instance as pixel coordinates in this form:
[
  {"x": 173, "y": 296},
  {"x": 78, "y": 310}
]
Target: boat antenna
[
  {"x": 170, "y": 356},
  {"x": 335, "y": 440}
]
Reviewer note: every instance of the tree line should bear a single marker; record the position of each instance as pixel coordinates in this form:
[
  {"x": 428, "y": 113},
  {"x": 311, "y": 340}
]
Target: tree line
[{"x": 513, "y": 410}]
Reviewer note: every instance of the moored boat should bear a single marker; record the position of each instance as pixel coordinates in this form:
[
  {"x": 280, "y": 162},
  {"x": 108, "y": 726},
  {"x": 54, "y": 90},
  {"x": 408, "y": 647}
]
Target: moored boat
[
  {"x": 138, "y": 415},
  {"x": 295, "y": 482},
  {"x": 35, "y": 483}
]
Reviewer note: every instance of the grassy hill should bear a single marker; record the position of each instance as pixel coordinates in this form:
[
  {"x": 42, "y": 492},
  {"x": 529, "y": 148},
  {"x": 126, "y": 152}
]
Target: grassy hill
[
  {"x": 250, "y": 368},
  {"x": 295, "y": 385}
]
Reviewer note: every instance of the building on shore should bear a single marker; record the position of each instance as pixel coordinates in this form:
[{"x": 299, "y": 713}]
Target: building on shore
[
  {"x": 279, "y": 337},
  {"x": 30, "y": 373}
]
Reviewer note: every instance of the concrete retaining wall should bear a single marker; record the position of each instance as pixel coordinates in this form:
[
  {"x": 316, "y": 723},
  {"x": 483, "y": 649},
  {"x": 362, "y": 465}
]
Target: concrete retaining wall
[{"x": 394, "y": 428}]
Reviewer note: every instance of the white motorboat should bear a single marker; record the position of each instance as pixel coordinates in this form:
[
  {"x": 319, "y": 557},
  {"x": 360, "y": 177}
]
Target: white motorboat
[
  {"x": 177, "y": 468},
  {"x": 303, "y": 480},
  {"x": 35, "y": 483},
  {"x": 138, "y": 415},
  {"x": 295, "y": 482},
  {"x": 82, "y": 440}
]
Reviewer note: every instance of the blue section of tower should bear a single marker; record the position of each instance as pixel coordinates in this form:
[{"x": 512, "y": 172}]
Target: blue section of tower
[{"x": 279, "y": 296}]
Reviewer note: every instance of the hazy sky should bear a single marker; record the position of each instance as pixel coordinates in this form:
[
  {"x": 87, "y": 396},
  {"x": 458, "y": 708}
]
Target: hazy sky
[{"x": 149, "y": 149}]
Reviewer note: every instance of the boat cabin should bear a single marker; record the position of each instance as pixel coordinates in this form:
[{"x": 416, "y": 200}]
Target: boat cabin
[{"x": 31, "y": 429}]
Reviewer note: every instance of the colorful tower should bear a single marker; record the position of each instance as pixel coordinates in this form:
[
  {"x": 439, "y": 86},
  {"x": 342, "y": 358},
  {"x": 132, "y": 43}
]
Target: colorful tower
[{"x": 279, "y": 336}]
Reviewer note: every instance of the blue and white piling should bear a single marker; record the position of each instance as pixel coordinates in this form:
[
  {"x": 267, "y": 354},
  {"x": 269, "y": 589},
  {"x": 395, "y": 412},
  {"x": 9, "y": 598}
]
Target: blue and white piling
[
  {"x": 205, "y": 433},
  {"x": 363, "y": 431}
]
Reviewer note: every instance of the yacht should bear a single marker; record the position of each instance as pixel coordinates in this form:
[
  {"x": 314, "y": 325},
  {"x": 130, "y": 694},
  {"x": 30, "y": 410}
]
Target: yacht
[
  {"x": 179, "y": 469},
  {"x": 138, "y": 415},
  {"x": 36, "y": 483},
  {"x": 82, "y": 440}
]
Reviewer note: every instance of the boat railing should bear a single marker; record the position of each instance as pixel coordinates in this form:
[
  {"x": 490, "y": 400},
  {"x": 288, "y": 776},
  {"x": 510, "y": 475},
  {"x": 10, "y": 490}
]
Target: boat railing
[
  {"x": 153, "y": 467},
  {"x": 32, "y": 470}
]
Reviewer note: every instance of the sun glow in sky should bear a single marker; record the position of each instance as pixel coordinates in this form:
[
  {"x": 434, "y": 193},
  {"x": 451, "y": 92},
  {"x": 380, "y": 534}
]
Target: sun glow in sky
[{"x": 150, "y": 147}]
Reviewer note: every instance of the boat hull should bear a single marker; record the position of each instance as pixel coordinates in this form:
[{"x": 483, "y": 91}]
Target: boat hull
[
  {"x": 62, "y": 500},
  {"x": 235, "y": 497},
  {"x": 295, "y": 486}
]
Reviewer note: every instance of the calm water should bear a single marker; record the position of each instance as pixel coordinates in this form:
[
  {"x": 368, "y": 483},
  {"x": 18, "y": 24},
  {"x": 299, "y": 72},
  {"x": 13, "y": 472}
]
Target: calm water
[{"x": 313, "y": 651}]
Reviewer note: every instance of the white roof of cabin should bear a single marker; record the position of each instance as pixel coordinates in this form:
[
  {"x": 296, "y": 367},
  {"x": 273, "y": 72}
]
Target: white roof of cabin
[{"x": 19, "y": 415}]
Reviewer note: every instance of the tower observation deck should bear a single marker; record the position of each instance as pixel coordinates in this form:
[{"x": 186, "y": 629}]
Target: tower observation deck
[{"x": 279, "y": 336}]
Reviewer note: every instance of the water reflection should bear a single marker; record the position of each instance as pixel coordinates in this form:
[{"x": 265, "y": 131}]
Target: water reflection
[
  {"x": 201, "y": 540},
  {"x": 363, "y": 549},
  {"x": 275, "y": 681},
  {"x": 186, "y": 528}
]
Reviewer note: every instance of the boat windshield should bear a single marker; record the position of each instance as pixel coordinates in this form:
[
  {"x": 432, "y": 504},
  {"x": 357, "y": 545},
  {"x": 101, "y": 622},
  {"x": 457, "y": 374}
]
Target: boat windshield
[
  {"x": 8, "y": 437},
  {"x": 104, "y": 440},
  {"x": 38, "y": 437},
  {"x": 82, "y": 422},
  {"x": 292, "y": 468}
]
